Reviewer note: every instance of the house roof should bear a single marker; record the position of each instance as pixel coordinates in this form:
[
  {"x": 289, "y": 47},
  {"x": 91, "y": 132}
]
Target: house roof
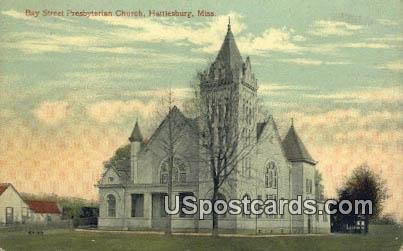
[
  {"x": 136, "y": 134},
  {"x": 294, "y": 149},
  {"x": 229, "y": 54},
  {"x": 42, "y": 207},
  {"x": 3, "y": 187}
]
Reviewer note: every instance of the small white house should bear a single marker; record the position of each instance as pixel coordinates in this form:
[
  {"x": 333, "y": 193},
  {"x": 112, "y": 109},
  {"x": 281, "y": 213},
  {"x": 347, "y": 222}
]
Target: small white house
[{"x": 13, "y": 209}]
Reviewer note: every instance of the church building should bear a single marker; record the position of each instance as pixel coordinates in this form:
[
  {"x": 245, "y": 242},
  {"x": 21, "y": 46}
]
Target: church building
[{"x": 132, "y": 195}]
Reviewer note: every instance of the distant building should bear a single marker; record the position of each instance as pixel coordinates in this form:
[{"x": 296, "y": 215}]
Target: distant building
[
  {"x": 44, "y": 211},
  {"x": 13, "y": 209},
  {"x": 132, "y": 195}
]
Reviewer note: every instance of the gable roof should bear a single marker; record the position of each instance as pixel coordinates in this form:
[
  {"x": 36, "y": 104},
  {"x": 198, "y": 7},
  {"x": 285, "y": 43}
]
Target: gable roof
[
  {"x": 42, "y": 207},
  {"x": 3, "y": 187},
  {"x": 180, "y": 120},
  {"x": 122, "y": 173},
  {"x": 262, "y": 126},
  {"x": 229, "y": 54},
  {"x": 294, "y": 149}
]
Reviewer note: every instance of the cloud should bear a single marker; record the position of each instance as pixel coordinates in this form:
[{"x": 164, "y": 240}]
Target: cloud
[
  {"x": 208, "y": 36},
  {"x": 394, "y": 66},
  {"x": 387, "y": 22},
  {"x": 107, "y": 111},
  {"x": 116, "y": 110},
  {"x": 99, "y": 76},
  {"x": 40, "y": 162},
  {"x": 387, "y": 38},
  {"x": 114, "y": 50},
  {"x": 305, "y": 61},
  {"x": 302, "y": 61},
  {"x": 35, "y": 42},
  {"x": 52, "y": 113},
  {"x": 18, "y": 15},
  {"x": 177, "y": 93},
  {"x": 335, "y": 47},
  {"x": 278, "y": 89},
  {"x": 389, "y": 95},
  {"x": 271, "y": 39},
  {"x": 205, "y": 35},
  {"x": 325, "y": 28},
  {"x": 366, "y": 45},
  {"x": 265, "y": 88},
  {"x": 347, "y": 119},
  {"x": 299, "y": 38}
]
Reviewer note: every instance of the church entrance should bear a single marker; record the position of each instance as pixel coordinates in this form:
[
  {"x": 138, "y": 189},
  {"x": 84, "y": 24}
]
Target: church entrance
[{"x": 158, "y": 214}]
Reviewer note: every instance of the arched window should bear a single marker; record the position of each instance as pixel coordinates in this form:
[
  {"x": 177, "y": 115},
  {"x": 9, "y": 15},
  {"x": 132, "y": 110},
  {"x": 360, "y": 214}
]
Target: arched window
[
  {"x": 271, "y": 175},
  {"x": 178, "y": 171},
  {"x": 111, "y": 205}
]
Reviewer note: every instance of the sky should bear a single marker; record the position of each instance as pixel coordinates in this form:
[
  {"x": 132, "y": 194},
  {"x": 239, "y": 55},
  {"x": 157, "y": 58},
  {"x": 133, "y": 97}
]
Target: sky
[{"x": 72, "y": 87}]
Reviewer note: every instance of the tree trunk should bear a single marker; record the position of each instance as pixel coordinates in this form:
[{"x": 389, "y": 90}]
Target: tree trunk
[
  {"x": 168, "y": 230},
  {"x": 366, "y": 222},
  {"x": 215, "y": 231}
]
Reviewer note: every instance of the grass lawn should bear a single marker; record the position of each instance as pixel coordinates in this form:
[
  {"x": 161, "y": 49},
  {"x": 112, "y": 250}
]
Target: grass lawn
[{"x": 380, "y": 238}]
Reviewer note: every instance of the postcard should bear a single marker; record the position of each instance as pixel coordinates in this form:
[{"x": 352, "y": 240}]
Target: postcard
[{"x": 201, "y": 125}]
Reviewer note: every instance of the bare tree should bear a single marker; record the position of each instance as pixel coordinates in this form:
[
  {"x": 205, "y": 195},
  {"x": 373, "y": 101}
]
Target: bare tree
[
  {"x": 168, "y": 141},
  {"x": 224, "y": 141}
]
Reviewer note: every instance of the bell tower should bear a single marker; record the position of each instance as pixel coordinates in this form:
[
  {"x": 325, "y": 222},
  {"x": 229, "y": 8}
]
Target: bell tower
[{"x": 229, "y": 88}]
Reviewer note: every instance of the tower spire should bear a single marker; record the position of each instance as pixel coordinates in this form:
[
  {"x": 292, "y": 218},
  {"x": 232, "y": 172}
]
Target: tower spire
[
  {"x": 229, "y": 54},
  {"x": 136, "y": 134}
]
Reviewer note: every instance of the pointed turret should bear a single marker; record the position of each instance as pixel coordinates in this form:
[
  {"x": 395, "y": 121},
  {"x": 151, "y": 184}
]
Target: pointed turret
[
  {"x": 294, "y": 149},
  {"x": 136, "y": 142},
  {"x": 229, "y": 54},
  {"x": 136, "y": 134}
]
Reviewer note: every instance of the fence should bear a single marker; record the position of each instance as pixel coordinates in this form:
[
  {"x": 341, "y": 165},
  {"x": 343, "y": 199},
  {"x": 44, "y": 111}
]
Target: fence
[{"x": 36, "y": 228}]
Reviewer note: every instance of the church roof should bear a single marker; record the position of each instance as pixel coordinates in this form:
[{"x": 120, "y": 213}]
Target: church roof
[
  {"x": 229, "y": 54},
  {"x": 136, "y": 134},
  {"x": 178, "y": 119},
  {"x": 294, "y": 149}
]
